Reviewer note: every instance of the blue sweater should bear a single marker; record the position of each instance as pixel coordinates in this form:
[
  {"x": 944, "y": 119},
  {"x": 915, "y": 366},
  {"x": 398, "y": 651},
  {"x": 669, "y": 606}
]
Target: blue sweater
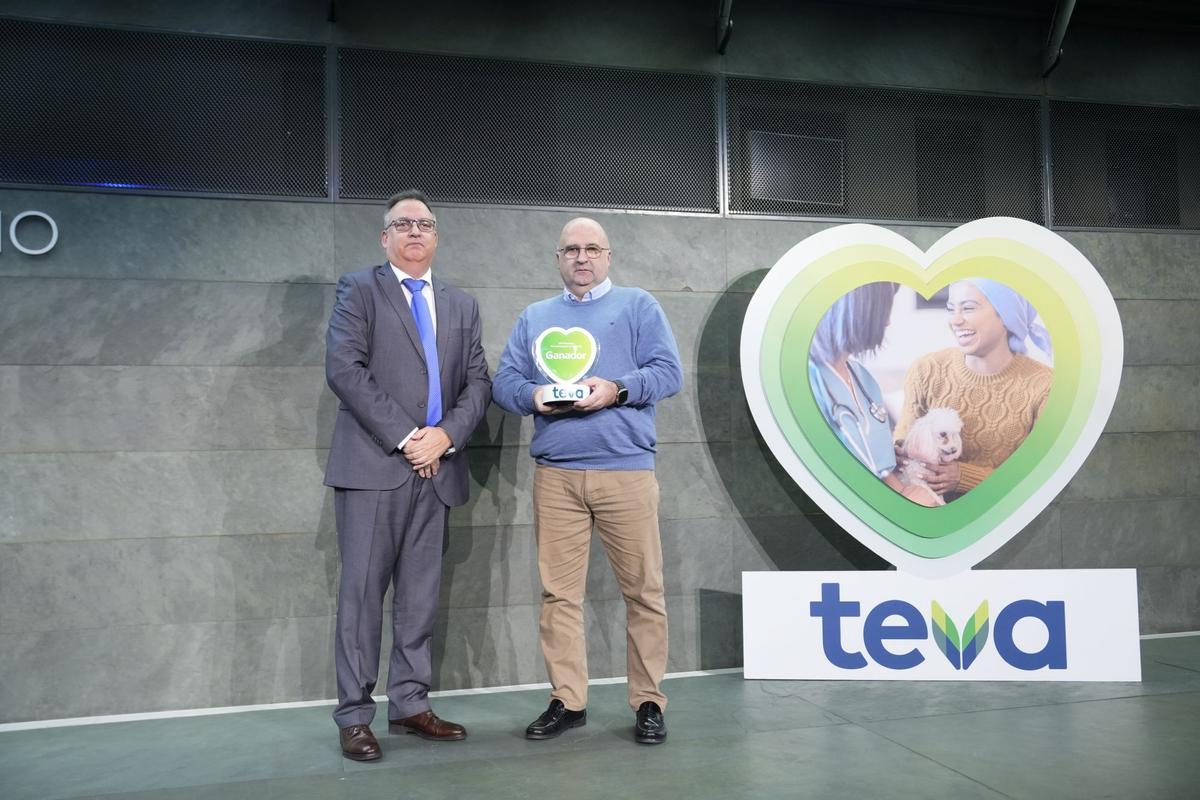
[{"x": 635, "y": 346}]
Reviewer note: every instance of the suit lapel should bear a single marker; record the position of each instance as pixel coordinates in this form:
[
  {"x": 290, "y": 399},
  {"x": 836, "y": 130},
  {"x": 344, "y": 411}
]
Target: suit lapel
[
  {"x": 441, "y": 308},
  {"x": 386, "y": 278}
]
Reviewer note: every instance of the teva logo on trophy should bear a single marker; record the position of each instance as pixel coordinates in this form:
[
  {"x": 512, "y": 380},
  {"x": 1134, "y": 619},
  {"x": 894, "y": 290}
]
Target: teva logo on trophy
[
  {"x": 565, "y": 354},
  {"x": 567, "y": 394},
  {"x": 1051, "y": 355},
  {"x": 932, "y": 403}
]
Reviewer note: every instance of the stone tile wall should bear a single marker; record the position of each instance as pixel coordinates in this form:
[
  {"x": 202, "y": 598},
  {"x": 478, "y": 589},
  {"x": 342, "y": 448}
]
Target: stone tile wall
[{"x": 165, "y": 541}]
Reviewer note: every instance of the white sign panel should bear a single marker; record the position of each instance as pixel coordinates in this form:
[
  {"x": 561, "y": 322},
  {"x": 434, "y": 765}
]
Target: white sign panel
[{"x": 1017, "y": 625}]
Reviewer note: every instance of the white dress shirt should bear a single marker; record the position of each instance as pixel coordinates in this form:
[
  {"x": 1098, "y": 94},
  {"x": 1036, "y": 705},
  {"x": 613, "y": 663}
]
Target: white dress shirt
[{"x": 595, "y": 293}]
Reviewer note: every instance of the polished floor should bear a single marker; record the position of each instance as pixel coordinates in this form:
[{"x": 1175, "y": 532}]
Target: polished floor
[{"x": 729, "y": 738}]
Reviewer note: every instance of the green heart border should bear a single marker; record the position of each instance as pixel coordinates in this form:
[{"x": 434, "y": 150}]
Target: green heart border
[
  {"x": 1039, "y": 264},
  {"x": 549, "y": 373}
]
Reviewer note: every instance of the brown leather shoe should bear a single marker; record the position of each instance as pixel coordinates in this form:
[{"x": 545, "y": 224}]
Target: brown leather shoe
[
  {"x": 428, "y": 726},
  {"x": 359, "y": 744}
]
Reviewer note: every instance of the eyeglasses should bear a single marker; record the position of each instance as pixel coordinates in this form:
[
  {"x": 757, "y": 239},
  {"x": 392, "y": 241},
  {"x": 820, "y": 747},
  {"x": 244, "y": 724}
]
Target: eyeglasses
[
  {"x": 591, "y": 252},
  {"x": 404, "y": 224}
]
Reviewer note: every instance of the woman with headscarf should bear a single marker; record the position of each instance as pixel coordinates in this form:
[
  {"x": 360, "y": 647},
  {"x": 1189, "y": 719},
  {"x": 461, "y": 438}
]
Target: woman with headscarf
[
  {"x": 847, "y": 394},
  {"x": 997, "y": 390}
]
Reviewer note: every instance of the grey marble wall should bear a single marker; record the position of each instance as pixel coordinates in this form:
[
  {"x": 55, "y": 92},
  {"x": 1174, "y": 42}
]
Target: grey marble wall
[{"x": 165, "y": 541}]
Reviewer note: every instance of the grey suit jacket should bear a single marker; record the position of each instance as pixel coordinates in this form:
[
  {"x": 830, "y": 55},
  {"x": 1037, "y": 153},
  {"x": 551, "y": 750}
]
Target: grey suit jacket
[{"x": 374, "y": 363}]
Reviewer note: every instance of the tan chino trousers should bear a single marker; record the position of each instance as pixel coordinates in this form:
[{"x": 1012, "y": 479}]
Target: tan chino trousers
[{"x": 623, "y": 505}]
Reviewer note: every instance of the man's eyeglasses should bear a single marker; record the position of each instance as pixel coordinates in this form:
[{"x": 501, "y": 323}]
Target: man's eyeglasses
[
  {"x": 404, "y": 224},
  {"x": 591, "y": 252}
]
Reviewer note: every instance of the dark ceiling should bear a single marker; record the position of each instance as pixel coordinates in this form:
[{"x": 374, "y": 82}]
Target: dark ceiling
[{"x": 1174, "y": 14}]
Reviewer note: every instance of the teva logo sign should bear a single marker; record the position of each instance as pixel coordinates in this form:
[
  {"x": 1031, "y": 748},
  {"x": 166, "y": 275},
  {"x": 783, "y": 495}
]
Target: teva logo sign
[
  {"x": 960, "y": 649},
  {"x": 981, "y": 625},
  {"x": 862, "y": 358}
]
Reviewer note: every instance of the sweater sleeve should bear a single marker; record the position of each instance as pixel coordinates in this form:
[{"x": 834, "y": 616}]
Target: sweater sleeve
[
  {"x": 659, "y": 373},
  {"x": 971, "y": 475},
  {"x": 513, "y": 384},
  {"x": 1039, "y": 404}
]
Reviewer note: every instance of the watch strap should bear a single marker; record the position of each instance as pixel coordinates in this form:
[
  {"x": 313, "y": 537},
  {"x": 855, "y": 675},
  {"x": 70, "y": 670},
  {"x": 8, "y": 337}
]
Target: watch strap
[{"x": 622, "y": 393}]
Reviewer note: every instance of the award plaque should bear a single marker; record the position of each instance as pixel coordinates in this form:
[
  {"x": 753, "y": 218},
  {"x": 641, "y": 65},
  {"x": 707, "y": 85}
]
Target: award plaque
[{"x": 564, "y": 356}]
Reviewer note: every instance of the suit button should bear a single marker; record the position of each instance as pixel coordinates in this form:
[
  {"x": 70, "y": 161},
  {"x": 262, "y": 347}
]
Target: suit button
[
  {"x": 420, "y": 405},
  {"x": 424, "y": 372}
]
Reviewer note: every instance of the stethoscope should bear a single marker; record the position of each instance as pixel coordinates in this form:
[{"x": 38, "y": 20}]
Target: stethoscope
[{"x": 841, "y": 411}]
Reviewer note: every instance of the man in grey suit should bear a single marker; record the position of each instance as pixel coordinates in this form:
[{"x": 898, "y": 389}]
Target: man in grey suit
[{"x": 404, "y": 356}]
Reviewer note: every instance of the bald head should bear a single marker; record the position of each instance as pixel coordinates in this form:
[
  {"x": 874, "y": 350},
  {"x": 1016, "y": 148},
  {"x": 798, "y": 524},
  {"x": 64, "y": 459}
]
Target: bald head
[
  {"x": 588, "y": 225},
  {"x": 583, "y": 271}
]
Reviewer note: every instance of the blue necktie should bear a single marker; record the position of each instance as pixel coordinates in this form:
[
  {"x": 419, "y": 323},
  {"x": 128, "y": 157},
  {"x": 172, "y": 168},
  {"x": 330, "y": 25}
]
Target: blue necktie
[{"x": 420, "y": 312}]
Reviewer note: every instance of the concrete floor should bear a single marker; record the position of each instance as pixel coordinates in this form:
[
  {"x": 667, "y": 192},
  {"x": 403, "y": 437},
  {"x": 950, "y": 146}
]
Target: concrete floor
[{"x": 729, "y": 738}]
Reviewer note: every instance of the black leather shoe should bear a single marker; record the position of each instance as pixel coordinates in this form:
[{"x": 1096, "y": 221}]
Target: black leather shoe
[
  {"x": 651, "y": 728},
  {"x": 554, "y": 720}
]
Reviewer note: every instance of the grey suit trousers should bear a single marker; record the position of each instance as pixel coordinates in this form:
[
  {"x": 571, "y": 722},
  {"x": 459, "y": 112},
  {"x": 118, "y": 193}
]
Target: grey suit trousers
[{"x": 387, "y": 536}]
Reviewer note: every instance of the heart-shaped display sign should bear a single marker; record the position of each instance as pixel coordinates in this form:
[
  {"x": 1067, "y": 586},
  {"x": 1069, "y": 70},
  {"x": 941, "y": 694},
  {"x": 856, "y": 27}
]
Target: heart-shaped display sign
[
  {"x": 1035, "y": 264},
  {"x": 565, "y": 354}
]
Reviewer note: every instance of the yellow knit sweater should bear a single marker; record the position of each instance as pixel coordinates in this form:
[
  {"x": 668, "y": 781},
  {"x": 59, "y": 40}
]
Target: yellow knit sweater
[{"x": 998, "y": 411}]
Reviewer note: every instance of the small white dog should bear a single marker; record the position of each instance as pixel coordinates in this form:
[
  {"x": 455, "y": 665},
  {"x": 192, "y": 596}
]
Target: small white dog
[{"x": 935, "y": 438}]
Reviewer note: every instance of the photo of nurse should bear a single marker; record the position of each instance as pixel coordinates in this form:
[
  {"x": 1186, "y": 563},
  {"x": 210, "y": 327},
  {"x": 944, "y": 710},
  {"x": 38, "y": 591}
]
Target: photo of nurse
[{"x": 846, "y": 392}]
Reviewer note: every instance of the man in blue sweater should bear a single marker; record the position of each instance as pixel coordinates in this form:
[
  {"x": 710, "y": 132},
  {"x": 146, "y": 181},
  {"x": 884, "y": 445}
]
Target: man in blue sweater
[{"x": 595, "y": 466}]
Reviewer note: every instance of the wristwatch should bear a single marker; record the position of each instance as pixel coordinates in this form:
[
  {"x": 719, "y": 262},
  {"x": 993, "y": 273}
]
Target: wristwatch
[{"x": 622, "y": 393}]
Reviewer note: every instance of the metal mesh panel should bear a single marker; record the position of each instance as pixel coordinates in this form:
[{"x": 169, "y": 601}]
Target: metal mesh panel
[
  {"x": 830, "y": 151},
  {"x": 485, "y": 131},
  {"x": 137, "y": 110},
  {"x": 1125, "y": 166}
]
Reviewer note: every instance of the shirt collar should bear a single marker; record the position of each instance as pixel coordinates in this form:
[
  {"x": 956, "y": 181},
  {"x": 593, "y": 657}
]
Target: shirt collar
[
  {"x": 595, "y": 293},
  {"x": 402, "y": 276}
]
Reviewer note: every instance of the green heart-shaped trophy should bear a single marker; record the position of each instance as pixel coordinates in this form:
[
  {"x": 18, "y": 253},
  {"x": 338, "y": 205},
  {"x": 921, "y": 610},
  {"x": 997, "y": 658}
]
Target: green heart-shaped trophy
[{"x": 565, "y": 355}]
